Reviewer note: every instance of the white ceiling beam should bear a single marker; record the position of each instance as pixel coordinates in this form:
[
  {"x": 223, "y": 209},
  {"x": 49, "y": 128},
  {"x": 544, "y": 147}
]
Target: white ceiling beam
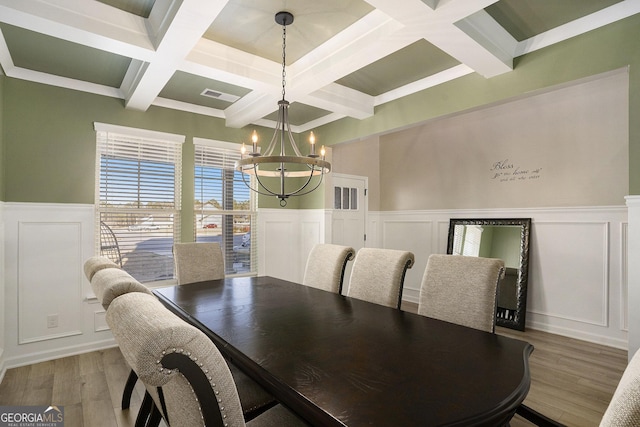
[
  {"x": 6, "y": 62},
  {"x": 160, "y": 19},
  {"x": 65, "y": 82},
  {"x": 310, "y": 79},
  {"x": 371, "y": 38},
  {"x": 190, "y": 108},
  {"x": 252, "y": 107},
  {"x": 321, "y": 121},
  {"x": 497, "y": 41},
  {"x": 342, "y": 100},
  {"x": 425, "y": 83},
  {"x": 439, "y": 28},
  {"x": 220, "y": 62},
  {"x": 458, "y": 44},
  {"x": 571, "y": 29},
  {"x": 190, "y": 21}
]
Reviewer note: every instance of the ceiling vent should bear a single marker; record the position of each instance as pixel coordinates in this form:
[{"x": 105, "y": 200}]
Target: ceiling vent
[{"x": 219, "y": 95}]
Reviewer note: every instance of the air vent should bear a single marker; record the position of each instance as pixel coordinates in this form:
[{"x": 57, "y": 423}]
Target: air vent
[{"x": 210, "y": 93}]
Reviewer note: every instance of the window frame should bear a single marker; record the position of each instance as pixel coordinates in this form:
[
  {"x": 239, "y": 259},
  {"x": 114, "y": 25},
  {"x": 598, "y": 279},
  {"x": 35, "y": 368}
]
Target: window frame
[
  {"x": 232, "y": 150},
  {"x": 112, "y": 139}
]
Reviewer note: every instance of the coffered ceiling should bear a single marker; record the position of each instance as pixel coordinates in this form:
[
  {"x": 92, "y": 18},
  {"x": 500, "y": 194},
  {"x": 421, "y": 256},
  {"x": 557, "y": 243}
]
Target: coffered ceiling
[{"x": 344, "y": 57}]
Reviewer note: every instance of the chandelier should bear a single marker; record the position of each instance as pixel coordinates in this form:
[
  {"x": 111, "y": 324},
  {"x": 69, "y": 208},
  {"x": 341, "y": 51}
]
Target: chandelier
[{"x": 277, "y": 163}]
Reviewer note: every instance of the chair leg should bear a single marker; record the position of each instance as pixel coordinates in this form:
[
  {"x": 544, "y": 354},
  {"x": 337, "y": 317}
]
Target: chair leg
[
  {"x": 128, "y": 389},
  {"x": 155, "y": 417},
  {"x": 145, "y": 410},
  {"x": 536, "y": 417}
]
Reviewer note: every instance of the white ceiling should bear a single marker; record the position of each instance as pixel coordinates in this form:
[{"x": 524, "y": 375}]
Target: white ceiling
[{"x": 344, "y": 57}]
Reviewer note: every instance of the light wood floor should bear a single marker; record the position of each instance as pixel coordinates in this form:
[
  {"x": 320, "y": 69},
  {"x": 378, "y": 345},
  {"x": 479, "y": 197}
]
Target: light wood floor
[
  {"x": 89, "y": 386},
  {"x": 571, "y": 381}
]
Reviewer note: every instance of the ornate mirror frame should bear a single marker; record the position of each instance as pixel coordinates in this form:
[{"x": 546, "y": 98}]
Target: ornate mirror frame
[{"x": 515, "y": 319}]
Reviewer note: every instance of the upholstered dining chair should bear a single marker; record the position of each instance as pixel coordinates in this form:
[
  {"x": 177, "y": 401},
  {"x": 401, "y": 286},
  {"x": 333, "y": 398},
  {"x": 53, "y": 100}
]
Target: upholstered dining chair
[
  {"x": 623, "y": 409},
  {"x": 200, "y": 261},
  {"x": 96, "y": 263},
  {"x": 197, "y": 262},
  {"x": 109, "y": 284},
  {"x": 326, "y": 265},
  {"x": 461, "y": 289},
  {"x": 183, "y": 371},
  {"x": 378, "y": 274}
]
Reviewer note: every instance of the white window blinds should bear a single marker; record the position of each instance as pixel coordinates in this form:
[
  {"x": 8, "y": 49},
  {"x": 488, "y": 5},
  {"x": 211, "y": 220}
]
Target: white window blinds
[
  {"x": 472, "y": 239},
  {"x": 225, "y": 209},
  {"x": 138, "y": 186}
]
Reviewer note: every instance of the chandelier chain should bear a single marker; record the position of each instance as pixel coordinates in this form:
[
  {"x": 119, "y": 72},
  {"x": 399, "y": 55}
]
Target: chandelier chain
[{"x": 284, "y": 59}]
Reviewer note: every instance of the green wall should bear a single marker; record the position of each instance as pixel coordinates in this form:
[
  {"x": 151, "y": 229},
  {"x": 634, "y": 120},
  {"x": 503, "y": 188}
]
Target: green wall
[
  {"x": 595, "y": 52},
  {"x": 50, "y": 142}
]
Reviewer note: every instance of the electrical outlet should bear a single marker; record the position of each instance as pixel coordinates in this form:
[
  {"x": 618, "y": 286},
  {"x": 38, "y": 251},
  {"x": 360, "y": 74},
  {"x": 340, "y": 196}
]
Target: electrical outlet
[{"x": 52, "y": 321}]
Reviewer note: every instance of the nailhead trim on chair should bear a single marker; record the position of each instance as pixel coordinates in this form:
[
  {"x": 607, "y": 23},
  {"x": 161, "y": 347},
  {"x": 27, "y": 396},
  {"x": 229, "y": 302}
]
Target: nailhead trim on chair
[{"x": 166, "y": 371}]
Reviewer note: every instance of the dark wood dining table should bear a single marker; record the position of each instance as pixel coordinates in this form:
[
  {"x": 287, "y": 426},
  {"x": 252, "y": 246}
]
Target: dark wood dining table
[{"x": 336, "y": 360}]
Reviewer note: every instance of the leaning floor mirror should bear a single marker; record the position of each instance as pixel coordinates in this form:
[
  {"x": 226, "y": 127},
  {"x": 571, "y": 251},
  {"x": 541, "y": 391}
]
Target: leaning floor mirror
[{"x": 508, "y": 240}]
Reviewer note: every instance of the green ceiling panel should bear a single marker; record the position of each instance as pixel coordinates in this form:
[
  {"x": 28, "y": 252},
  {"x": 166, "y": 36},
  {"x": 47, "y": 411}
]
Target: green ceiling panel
[
  {"x": 299, "y": 114},
  {"x": 416, "y": 61},
  {"x": 249, "y": 25},
  {"x": 50, "y": 55},
  {"x": 187, "y": 87}
]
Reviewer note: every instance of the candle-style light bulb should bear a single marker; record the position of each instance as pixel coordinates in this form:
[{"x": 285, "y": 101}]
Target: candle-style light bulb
[
  {"x": 243, "y": 150},
  {"x": 323, "y": 152},
  {"x": 254, "y": 141},
  {"x": 312, "y": 141}
]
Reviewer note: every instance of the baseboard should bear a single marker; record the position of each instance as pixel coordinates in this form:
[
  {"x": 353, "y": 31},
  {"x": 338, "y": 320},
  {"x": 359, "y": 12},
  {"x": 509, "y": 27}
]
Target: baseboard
[
  {"x": 58, "y": 353},
  {"x": 579, "y": 335},
  {"x": 551, "y": 329}
]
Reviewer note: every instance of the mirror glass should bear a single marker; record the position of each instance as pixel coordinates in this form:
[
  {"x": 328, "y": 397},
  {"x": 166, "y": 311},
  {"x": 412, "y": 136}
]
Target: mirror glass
[{"x": 508, "y": 240}]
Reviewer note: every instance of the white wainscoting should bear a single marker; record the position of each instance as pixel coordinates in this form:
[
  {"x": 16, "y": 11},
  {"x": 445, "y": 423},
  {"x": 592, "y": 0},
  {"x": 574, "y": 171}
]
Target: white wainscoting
[
  {"x": 45, "y": 247},
  {"x": 578, "y": 259},
  {"x": 578, "y": 263},
  {"x": 633, "y": 274},
  {"x": 2, "y": 295},
  {"x": 577, "y": 282},
  {"x": 285, "y": 238}
]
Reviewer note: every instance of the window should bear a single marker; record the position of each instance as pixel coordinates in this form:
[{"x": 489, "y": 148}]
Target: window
[
  {"x": 225, "y": 209},
  {"x": 138, "y": 184},
  {"x": 345, "y": 198}
]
